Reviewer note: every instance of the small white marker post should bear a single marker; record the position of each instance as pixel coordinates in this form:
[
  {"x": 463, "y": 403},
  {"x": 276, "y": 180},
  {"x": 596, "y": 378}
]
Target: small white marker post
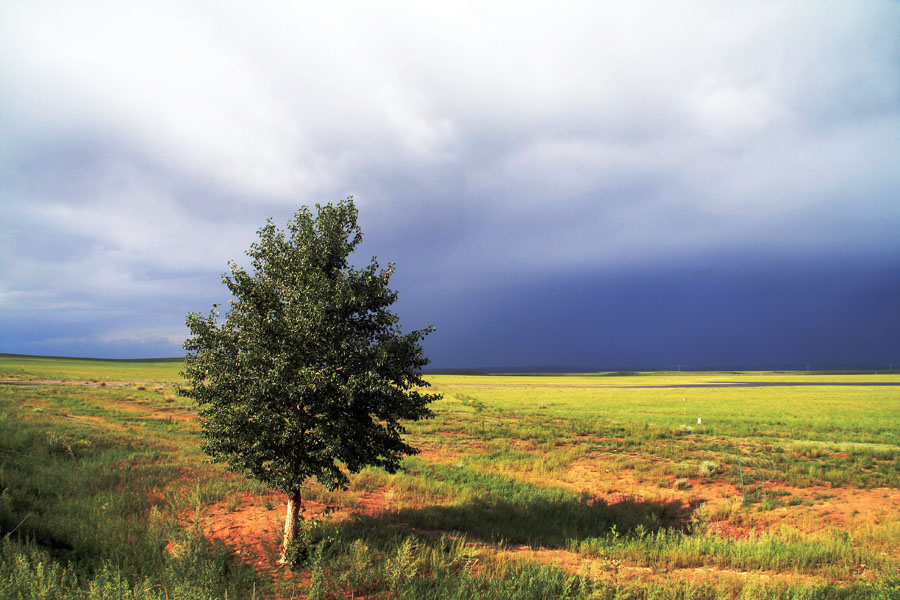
[{"x": 699, "y": 420}]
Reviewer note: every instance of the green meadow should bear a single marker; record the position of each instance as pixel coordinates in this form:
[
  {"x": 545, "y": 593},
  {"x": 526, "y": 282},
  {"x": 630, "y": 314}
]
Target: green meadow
[{"x": 642, "y": 485}]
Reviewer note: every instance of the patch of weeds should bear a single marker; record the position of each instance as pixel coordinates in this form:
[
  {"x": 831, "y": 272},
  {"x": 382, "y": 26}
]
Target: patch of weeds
[
  {"x": 234, "y": 502},
  {"x": 314, "y": 538},
  {"x": 708, "y": 468},
  {"x": 66, "y": 445}
]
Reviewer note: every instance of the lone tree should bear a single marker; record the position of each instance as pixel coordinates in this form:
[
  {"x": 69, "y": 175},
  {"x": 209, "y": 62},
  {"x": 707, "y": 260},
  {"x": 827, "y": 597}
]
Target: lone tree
[{"x": 309, "y": 374}]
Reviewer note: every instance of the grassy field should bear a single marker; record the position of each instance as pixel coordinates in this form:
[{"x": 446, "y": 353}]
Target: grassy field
[{"x": 600, "y": 486}]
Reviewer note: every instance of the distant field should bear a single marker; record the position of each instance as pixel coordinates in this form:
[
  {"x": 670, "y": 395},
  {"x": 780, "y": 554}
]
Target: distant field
[
  {"x": 88, "y": 369},
  {"x": 579, "y": 486}
]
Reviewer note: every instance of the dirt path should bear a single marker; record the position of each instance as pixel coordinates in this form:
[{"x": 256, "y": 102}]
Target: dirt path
[{"x": 84, "y": 383}]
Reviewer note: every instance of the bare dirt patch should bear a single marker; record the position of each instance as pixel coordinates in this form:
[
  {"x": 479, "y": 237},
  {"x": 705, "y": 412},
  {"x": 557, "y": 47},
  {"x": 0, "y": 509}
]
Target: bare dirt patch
[
  {"x": 147, "y": 409},
  {"x": 842, "y": 508},
  {"x": 448, "y": 453},
  {"x": 253, "y": 528},
  {"x": 253, "y": 525}
]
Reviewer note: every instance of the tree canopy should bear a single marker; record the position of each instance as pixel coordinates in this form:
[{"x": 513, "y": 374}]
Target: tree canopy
[{"x": 309, "y": 374}]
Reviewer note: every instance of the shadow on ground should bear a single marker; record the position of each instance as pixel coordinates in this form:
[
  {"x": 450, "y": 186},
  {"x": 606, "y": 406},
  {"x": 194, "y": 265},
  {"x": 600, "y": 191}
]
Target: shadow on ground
[{"x": 538, "y": 523}]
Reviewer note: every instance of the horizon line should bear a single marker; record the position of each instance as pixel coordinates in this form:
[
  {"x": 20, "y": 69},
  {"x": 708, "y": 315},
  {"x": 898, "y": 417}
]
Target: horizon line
[{"x": 542, "y": 369}]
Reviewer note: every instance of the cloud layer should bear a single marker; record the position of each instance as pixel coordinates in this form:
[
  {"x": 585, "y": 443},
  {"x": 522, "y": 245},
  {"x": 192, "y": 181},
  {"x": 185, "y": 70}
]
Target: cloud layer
[{"x": 490, "y": 148}]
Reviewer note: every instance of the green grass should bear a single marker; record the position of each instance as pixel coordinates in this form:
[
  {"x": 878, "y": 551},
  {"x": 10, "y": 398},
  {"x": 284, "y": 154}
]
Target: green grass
[
  {"x": 788, "y": 433},
  {"x": 102, "y": 489},
  {"x": 14, "y": 366},
  {"x": 89, "y": 504}
]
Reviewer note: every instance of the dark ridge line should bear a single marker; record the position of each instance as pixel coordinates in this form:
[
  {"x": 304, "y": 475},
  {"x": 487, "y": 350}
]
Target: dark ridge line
[
  {"x": 751, "y": 384},
  {"x": 735, "y": 384},
  {"x": 525, "y": 371},
  {"x": 599, "y": 374}
]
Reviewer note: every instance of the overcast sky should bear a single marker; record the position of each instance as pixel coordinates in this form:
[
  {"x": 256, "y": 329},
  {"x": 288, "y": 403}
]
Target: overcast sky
[{"x": 640, "y": 184}]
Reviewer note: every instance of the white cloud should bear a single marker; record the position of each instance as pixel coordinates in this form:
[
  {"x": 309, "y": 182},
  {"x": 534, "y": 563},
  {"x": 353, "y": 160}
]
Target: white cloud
[{"x": 146, "y": 335}]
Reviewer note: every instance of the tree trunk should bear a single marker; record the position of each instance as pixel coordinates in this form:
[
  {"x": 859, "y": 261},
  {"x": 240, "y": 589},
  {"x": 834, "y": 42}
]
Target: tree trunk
[{"x": 291, "y": 521}]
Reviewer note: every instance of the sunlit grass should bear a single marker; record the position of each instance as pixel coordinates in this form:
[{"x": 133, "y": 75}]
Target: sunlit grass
[
  {"x": 102, "y": 491},
  {"x": 92, "y": 370}
]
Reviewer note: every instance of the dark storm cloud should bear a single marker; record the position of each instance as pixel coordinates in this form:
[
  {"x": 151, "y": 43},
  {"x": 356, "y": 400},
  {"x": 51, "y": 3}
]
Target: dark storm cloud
[
  {"x": 717, "y": 313},
  {"x": 492, "y": 149}
]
